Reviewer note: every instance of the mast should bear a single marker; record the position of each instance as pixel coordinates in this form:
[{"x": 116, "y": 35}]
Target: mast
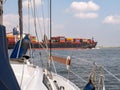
[
  {"x": 1, "y": 12},
  {"x": 20, "y": 17},
  {"x": 50, "y": 26},
  {"x": 50, "y": 35}
]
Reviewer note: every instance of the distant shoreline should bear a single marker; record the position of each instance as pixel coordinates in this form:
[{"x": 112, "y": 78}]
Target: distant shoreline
[{"x": 107, "y": 46}]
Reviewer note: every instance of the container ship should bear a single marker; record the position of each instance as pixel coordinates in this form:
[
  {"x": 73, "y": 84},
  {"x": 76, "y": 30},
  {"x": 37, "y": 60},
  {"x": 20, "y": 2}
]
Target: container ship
[{"x": 55, "y": 42}]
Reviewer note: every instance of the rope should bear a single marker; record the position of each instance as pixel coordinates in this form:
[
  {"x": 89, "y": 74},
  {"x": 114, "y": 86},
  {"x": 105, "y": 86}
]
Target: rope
[
  {"x": 111, "y": 74},
  {"x": 53, "y": 65},
  {"x": 28, "y": 16},
  {"x": 43, "y": 19},
  {"x": 41, "y": 59},
  {"x": 34, "y": 10},
  {"x": 48, "y": 4},
  {"x": 78, "y": 76},
  {"x": 35, "y": 16},
  {"x": 104, "y": 69},
  {"x": 22, "y": 74},
  {"x": 30, "y": 51}
]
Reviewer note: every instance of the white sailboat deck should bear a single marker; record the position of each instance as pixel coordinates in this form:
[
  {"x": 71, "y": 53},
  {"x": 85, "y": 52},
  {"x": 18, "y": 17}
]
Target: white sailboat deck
[{"x": 32, "y": 77}]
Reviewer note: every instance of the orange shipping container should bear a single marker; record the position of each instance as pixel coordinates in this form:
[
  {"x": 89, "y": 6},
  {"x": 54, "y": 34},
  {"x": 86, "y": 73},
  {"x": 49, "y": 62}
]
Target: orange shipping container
[
  {"x": 69, "y": 39},
  {"x": 85, "y": 40},
  {"x": 33, "y": 39}
]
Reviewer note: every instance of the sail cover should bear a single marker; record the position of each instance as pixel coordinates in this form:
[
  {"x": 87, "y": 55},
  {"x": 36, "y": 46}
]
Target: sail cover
[
  {"x": 21, "y": 47},
  {"x": 89, "y": 86},
  {"x": 7, "y": 78}
]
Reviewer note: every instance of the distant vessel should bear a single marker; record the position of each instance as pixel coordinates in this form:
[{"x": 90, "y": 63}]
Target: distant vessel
[{"x": 56, "y": 42}]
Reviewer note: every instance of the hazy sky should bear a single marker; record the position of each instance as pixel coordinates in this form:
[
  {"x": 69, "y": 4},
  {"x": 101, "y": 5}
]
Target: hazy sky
[{"x": 73, "y": 18}]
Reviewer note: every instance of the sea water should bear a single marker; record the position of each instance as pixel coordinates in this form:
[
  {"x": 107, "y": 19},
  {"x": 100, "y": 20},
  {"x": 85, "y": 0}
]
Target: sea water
[{"x": 82, "y": 64}]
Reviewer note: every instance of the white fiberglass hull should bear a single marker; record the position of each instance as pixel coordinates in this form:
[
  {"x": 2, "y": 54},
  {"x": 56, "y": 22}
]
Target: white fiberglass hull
[{"x": 30, "y": 77}]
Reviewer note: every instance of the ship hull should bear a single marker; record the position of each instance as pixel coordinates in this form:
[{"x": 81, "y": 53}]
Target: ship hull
[
  {"x": 55, "y": 42},
  {"x": 60, "y": 45}
]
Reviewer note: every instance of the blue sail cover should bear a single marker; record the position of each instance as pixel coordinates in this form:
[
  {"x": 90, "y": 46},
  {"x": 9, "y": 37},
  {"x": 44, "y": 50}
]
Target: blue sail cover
[
  {"x": 7, "y": 78},
  {"x": 89, "y": 86},
  {"x": 18, "y": 53}
]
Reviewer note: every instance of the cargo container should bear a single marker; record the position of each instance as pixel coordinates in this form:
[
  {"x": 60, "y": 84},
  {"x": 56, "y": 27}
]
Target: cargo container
[{"x": 57, "y": 42}]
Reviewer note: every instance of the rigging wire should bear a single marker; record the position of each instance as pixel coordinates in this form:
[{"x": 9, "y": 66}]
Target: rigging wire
[
  {"x": 28, "y": 16},
  {"x": 90, "y": 62},
  {"x": 39, "y": 24},
  {"x": 53, "y": 65},
  {"x": 78, "y": 76},
  {"x": 44, "y": 37},
  {"x": 48, "y": 16},
  {"x": 110, "y": 73},
  {"x": 35, "y": 21},
  {"x": 21, "y": 33},
  {"x": 34, "y": 11},
  {"x": 22, "y": 76},
  {"x": 36, "y": 18},
  {"x": 34, "y": 14},
  {"x": 50, "y": 26},
  {"x": 30, "y": 51},
  {"x": 43, "y": 18}
]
